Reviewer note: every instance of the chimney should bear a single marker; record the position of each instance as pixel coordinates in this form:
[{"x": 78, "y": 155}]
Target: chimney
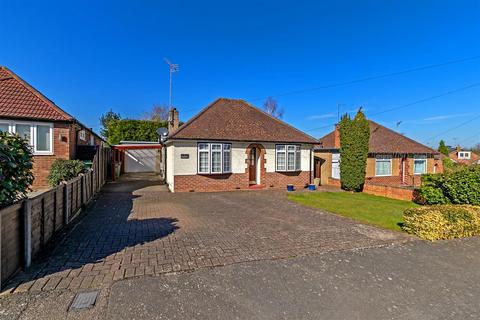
[
  {"x": 172, "y": 120},
  {"x": 336, "y": 139}
]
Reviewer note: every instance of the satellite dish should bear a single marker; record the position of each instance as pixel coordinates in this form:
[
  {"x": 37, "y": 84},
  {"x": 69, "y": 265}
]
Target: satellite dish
[{"x": 162, "y": 133}]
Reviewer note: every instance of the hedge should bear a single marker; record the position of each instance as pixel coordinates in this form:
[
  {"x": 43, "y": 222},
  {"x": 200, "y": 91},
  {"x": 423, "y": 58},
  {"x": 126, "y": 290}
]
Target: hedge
[
  {"x": 63, "y": 170},
  {"x": 15, "y": 168},
  {"x": 457, "y": 187},
  {"x": 442, "y": 221},
  {"x": 133, "y": 130}
]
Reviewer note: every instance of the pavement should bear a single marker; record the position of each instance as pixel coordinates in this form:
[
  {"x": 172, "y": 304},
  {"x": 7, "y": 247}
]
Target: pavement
[
  {"x": 135, "y": 228},
  {"x": 414, "y": 280},
  {"x": 151, "y": 254}
]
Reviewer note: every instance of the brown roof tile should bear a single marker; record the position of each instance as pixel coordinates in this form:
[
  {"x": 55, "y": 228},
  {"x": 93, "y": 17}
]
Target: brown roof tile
[
  {"x": 20, "y": 100},
  {"x": 237, "y": 120},
  {"x": 383, "y": 140}
]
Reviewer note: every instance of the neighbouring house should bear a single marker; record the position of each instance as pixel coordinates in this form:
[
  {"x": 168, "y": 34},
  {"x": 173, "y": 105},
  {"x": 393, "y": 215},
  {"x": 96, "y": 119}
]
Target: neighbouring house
[
  {"x": 233, "y": 145},
  {"x": 52, "y": 133},
  {"x": 393, "y": 159},
  {"x": 464, "y": 156}
]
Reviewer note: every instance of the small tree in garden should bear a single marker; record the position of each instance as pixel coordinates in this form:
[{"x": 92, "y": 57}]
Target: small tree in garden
[
  {"x": 354, "y": 138},
  {"x": 15, "y": 168},
  {"x": 442, "y": 148}
]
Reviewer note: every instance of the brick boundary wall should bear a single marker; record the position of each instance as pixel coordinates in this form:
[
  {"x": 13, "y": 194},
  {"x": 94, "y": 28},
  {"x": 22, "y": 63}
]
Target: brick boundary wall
[
  {"x": 389, "y": 191},
  {"x": 239, "y": 181},
  {"x": 398, "y": 193}
]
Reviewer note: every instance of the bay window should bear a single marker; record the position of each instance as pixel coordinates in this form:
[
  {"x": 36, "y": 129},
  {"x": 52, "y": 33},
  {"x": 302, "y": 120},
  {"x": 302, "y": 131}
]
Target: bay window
[
  {"x": 214, "y": 158},
  {"x": 419, "y": 164},
  {"x": 383, "y": 166},
  {"x": 287, "y": 157}
]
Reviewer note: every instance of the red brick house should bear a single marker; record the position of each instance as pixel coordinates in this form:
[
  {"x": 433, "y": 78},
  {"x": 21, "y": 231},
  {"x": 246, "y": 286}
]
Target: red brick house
[
  {"x": 52, "y": 133},
  {"x": 464, "y": 156},
  {"x": 232, "y": 145},
  {"x": 393, "y": 159}
]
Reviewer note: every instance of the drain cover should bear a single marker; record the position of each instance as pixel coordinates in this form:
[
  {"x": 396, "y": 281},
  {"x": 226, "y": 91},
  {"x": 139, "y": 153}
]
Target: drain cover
[{"x": 84, "y": 300}]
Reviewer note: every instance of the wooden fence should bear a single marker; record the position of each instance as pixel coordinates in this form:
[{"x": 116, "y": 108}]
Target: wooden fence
[{"x": 27, "y": 226}]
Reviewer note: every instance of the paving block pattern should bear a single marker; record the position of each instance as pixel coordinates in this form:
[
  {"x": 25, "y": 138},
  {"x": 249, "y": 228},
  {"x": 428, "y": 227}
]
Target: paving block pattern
[{"x": 136, "y": 228}]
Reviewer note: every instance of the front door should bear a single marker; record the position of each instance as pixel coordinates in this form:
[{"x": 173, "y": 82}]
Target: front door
[
  {"x": 317, "y": 169},
  {"x": 252, "y": 166}
]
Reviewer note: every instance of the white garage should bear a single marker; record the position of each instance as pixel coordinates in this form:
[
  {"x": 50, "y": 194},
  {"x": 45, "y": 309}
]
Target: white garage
[
  {"x": 141, "y": 160},
  {"x": 133, "y": 157}
]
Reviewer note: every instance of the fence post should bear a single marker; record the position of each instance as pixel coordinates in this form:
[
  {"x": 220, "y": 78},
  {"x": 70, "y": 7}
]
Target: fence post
[
  {"x": 27, "y": 218},
  {"x": 66, "y": 205}
]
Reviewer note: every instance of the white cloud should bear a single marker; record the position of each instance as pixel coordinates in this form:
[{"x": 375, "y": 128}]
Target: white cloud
[
  {"x": 447, "y": 116},
  {"x": 321, "y": 116}
]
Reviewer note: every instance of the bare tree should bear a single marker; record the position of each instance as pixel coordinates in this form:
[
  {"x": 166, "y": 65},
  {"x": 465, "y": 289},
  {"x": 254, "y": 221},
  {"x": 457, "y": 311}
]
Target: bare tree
[
  {"x": 159, "y": 112},
  {"x": 271, "y": 107}
]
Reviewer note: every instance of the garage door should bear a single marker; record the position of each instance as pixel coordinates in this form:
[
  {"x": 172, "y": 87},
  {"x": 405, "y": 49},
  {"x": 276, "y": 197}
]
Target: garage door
[{"x": 140, "y": 160}]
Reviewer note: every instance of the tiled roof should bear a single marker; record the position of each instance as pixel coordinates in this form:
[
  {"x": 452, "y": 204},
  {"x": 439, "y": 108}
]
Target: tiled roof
[
  {"x": 236, "y": 120},
  {"x": 20, "y": 100},
  {"x": 383, "y": 140}
]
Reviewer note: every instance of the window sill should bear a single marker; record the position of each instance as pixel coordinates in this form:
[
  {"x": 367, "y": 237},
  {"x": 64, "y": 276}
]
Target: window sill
[
  {"x": 212, "y": 173},
  {"x": 383, "y": 175},
  {"x": 43, "y": 153},
  {"x": 287, "y": 171}
]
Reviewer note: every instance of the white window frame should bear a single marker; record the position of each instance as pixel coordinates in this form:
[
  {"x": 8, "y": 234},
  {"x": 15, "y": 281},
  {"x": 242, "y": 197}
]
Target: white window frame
[
  {"x": 297, "y": 151},
  {"x": 12, "y": 128},
  {"x": 210, "y": 156},
  {"x": 383, "y": 158},
  {"x": 424, "y": 160},
  {"x": 464, "y": 155}
]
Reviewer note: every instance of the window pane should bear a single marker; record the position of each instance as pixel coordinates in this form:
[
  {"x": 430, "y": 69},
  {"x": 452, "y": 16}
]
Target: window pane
[
  {"x": 227, "y": 147},
  {"x": 203, "y": 146},
  {"x": 280, "y": 147},
  {"x": 291, "y": 161},
  {"x": 203, "y": 162},
  {"x": 281, "y": 161},
  {"x": 419, "y": 166},
  {"x": 382, "y": 167},
  {"x": 227, "y": 161},
  {"x": 298, "y": 159},
  {"x": 43, "y": 138},
  {"x": 217, "y": 147},
  {"x": 216, "y": 161},
  {"x": 4, "y": 127},
  {"x": 23, "y": 130}
]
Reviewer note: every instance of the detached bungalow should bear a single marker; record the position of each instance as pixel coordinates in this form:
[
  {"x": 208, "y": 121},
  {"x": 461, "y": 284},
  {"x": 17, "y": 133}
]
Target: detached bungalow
[
  {"x": 233, "y": 145},
  {"x": 393, "y": 159},
  {"x": 51, "y": 132}
]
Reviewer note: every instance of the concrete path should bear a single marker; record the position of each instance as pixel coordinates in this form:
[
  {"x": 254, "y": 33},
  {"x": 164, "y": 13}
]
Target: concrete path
[
  {"x": 137, "y": 228},
  {"x": 416, "y": 280}
]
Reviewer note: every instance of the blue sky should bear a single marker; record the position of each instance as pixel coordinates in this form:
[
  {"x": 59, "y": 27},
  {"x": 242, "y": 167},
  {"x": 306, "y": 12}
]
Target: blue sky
[{"x": 90, "y": 56}]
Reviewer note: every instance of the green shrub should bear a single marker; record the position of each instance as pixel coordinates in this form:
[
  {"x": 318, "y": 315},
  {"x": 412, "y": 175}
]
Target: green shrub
[
  {"x": 461, "y": 186},
  {"x": 442, "y": 221},
  {"x": 431, "y": 192},
  {"x": 133, "y": 130},
  {"x": 15, "y": 168},
  {"x": 354, "y": 138},
  {"x": 63, "y": 170}
]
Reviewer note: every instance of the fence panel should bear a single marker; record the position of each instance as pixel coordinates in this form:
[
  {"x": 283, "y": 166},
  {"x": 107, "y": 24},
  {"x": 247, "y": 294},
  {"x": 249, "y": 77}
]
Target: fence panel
[{"x": 27, "y": 226}]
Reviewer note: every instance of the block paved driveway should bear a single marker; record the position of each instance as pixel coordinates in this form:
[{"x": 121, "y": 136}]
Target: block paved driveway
[{"x": 136, "y": 228}]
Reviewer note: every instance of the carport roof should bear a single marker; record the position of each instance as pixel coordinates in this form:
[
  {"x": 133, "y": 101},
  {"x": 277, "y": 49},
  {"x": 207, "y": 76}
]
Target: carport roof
[{"x": 236, "y": 120}]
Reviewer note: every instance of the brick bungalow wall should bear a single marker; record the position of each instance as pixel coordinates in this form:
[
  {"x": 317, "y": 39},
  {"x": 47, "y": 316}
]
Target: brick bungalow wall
[
  {"x": 61, "y": 150},
  {"x": 236, "y": 181}
]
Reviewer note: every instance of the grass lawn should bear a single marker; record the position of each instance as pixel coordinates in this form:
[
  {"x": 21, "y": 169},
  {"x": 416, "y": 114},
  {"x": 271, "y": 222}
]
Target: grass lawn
[{"x": 379, "y": 211}]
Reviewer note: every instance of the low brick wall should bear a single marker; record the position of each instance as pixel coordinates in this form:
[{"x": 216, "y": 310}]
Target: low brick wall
[
  {"x": 389, "y": 191},
  {"x": 239, "y": 181},
  {"x": 398, "y": 193}
]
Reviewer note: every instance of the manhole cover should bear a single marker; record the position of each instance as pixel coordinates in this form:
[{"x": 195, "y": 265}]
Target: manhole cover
[{"x": 84, "y": 300}]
